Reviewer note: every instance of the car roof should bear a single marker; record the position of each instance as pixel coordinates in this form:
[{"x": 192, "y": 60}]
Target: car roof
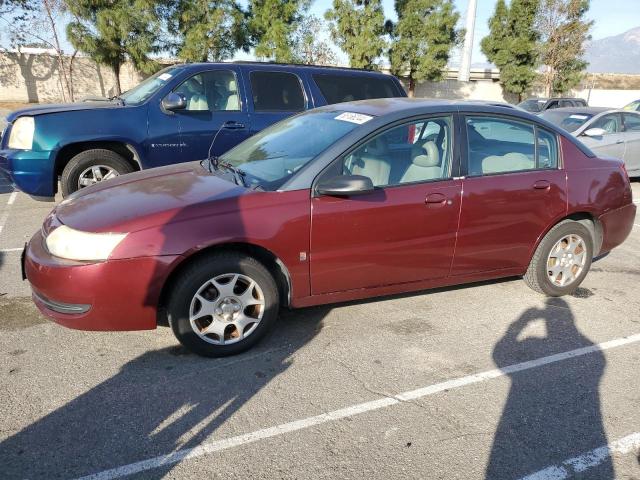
[
  {"x": 292, "y": 66},
  {"x": 578, "y": 110}
]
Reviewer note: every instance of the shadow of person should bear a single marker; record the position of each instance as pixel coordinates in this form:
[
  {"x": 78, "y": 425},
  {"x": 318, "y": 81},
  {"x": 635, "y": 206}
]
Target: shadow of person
[
  {"x": 552, "y": 412},
  {"x": 155, "y": 405}
]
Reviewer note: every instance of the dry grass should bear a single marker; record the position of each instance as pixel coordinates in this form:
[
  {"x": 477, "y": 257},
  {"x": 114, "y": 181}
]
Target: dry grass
[{"x": 14, "y": 105}]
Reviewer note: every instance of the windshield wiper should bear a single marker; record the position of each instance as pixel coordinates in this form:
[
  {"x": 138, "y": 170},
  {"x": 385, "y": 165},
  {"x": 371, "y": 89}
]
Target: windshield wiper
[{"x": 238, "y": 174}]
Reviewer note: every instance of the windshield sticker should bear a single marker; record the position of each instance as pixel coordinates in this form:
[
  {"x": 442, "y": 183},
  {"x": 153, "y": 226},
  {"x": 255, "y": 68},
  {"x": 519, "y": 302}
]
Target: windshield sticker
[
  {"x": 358, "y": 118},
  {"x": 579, "y": 117},
  {"x": 164, "y": 76}
]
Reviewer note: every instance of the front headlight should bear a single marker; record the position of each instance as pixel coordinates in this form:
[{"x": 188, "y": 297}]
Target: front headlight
[
  {"x": 65, "y": 242},
  {"x": 21, "y": 136}
]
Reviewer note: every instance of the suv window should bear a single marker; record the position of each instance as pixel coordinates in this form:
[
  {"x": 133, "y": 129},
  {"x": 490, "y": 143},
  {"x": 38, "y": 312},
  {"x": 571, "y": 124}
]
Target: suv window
[
  {"x": 553, "y": 104},
  {"x": 419, "y": 151},
  {"x": 631, "y": 122},
  {"x": 276, "y": 91},
  {"x": 342, "y": 88},
  {"x": 609, "y": 123},
  {"x": 498, "y": 145},
  {"x": 567, "y": 103},
  {"x": 211, "y": 91}
]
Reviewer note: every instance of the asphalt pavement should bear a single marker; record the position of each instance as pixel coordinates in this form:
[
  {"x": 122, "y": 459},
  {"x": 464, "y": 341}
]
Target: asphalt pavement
[{"x": 488, "y": 381}]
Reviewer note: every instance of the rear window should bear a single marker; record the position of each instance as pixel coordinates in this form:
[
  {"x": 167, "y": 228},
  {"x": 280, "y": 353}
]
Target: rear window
[
  {"x": 276, "y": 92},
  {"x": 568, "y": 121},
  {"x": 343, "y": 88}
]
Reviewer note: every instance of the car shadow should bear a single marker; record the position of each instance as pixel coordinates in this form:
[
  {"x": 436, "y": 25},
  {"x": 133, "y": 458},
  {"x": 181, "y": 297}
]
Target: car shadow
[
  {"x": 159, "y": 402},
  {"x": 552, "y": 412}
]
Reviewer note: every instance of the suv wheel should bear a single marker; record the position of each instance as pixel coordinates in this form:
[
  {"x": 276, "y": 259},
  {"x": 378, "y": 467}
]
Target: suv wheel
[
  {"x": 223, "y": 304},
  {"x": 562, "y": 260},
  {"x": 90, "y": 167}
]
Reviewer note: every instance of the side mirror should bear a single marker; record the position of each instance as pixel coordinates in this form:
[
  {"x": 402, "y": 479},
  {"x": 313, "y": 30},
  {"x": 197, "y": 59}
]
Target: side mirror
[
  {"x": 595, "y": 132},
  {"x": 174, "y": 101},
  {"x": 345, "y": 186}
]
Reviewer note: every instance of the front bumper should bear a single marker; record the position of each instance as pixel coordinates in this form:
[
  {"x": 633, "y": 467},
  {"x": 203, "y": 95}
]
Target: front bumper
[
  {"x": 113, "y": 295},
  {"x": 30, "y": 171}
]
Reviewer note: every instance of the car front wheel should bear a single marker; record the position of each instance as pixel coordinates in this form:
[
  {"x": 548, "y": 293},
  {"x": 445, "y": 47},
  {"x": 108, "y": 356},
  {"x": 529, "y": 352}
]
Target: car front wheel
[
  {"x": 562, "y": 259},
  {"x": 90, "y": 167},
  {"x": 222, "y": 304}
]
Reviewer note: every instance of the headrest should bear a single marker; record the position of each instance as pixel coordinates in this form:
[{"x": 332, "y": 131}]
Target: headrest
[
  {"x": 232, "y": 85},
  {"x": 426, "y": 156},
  {"x": 377, "y": 147}
]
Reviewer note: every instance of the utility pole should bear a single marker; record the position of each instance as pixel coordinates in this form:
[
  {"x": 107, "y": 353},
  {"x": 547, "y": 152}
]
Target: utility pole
[{"x": 465, "y": 62}]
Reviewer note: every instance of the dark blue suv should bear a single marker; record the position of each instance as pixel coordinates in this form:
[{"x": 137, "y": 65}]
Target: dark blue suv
[{"x": 170, "y": 117}]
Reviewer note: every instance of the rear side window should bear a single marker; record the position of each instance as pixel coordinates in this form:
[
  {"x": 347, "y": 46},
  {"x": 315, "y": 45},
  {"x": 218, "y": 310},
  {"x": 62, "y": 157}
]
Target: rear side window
[
  {"x": 276, "y": 91},
  {"x": 342, "y": 88},
  {"x": 498, "y": 145},
  {"x": 631, "y": 122}
]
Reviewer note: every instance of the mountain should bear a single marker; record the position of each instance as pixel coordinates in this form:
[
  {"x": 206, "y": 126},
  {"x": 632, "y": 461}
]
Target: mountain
[{"x": 617, "y": 54}]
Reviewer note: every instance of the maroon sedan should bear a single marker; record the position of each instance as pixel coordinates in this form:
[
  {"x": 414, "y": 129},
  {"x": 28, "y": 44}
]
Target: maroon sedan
[{"x": 343, "y": 202}]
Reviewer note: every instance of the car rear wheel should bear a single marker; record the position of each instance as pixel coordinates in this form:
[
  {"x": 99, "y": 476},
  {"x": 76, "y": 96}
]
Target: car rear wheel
[
  {"x": 90, "y": 167},
  {"x": 223, "y": 304},
  {"x": 562, "y": 259}
]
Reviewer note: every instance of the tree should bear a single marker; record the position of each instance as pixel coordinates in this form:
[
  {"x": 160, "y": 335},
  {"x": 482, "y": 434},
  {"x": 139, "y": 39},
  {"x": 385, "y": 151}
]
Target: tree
[
  {"x": 208, "y": 30},
  {"x": 564, "y": 33},
  {"x": 512, "y": 44},
  {"x": 357, "y": 27},
  {"x": 422, "y": 39},
  {"x": 15, "y": 15},
  {"x": 114, "y": 31},
  {"x": 309, "y": 47},
  {"x": 272, "y": 24}
]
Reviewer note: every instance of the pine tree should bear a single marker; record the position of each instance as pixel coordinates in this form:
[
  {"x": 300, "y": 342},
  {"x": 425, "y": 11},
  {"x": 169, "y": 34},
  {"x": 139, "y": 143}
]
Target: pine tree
[
  {"x": 357, "y": 27},
  {"x": 512, "y": 44},
  {"x": 113, "y": 31},
  {"x": 272, "y": 24},
  {"x": 208, "y": 30},
  {"x": 564, "y": 33},
  {"x": 422, "y": 39}
]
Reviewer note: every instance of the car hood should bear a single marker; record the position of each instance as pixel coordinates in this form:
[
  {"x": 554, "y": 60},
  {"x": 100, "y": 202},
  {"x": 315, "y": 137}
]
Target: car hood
[
  {"x": 61, "y": 107},
  {"x": 145, "y": 199}
]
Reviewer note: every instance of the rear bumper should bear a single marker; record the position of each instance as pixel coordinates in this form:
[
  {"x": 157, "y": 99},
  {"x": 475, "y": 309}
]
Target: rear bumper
[
  {"x": 616, "y": 227},
  {"x": 107, "y": 296},
  {"x": 30, "y": 171}
]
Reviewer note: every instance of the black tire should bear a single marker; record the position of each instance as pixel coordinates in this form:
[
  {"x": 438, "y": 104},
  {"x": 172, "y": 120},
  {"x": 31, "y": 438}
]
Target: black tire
[
  {"x": 201, "y": 271},
  {"x": 87, "y": 159},
  {"x": 537, "y": 274}
]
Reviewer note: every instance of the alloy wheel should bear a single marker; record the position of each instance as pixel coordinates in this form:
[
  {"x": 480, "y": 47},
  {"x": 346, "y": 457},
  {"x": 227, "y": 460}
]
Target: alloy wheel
[{"x": 566, "y": 260}]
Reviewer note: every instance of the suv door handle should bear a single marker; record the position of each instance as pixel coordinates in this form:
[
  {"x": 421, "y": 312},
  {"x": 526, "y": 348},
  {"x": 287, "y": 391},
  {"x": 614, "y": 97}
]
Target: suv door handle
[
  {"x": 233, "y": 125},
  {"x": 435, "y": 200},
  {"x": 542, "y": 185},
  {"x": 619, "y": 142}
]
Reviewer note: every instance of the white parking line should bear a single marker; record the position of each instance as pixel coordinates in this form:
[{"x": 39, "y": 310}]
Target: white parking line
[
  {"x": 587, "y": 460},
  {"x": 7, "y": 250},
  {"x": 5, "y": 214},
  {"x": 227, "y": 443}
]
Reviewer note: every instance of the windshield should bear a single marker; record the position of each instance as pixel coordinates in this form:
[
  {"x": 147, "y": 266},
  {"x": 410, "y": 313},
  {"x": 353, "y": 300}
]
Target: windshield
[
  {"x": 149, "y": 86},
  {"x": 567, "y": 120},
  {"x": 269, "y": 158},
  {"x": 532, "y": 105},
  {"x": 633, "y": 106}
]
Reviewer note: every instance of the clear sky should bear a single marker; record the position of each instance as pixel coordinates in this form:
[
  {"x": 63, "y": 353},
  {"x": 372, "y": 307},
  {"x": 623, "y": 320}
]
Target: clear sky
[{"x": 611, "y": 17}]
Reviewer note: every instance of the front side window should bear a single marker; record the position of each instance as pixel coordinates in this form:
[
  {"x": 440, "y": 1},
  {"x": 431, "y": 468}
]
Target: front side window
[
  {"x": 276, "y": 92},
  {"x": 211, "y": 91},
  {"x": 415, "y": 152},
  {"x": 498, "y": 145},
  {"x": 609, "y": 123},
  {"x": 272, "y": 156},
  {"x": 343, "y": 88}
]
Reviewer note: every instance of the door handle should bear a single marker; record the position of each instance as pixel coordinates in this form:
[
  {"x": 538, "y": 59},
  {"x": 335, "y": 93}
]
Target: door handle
[
  {"x": 542, "y": 185},
  {"x": 435, "y": 200},
  {"x": 619, "y": 142},
  {"x": 231, "y": 125}
]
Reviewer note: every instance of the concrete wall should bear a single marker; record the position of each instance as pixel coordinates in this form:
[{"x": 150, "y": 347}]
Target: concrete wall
[{"x": 36, "y": 78}]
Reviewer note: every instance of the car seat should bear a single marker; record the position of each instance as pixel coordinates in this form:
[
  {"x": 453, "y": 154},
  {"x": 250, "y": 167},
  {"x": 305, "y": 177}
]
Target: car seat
[
  {"x": 373, "y": 162},
  {"x": 425, "y": 164},
  {"x": 510, "y": 162}
]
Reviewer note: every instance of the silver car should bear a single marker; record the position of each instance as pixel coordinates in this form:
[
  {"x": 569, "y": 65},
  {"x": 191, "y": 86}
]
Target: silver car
[{"x": 613, "y": 133}]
